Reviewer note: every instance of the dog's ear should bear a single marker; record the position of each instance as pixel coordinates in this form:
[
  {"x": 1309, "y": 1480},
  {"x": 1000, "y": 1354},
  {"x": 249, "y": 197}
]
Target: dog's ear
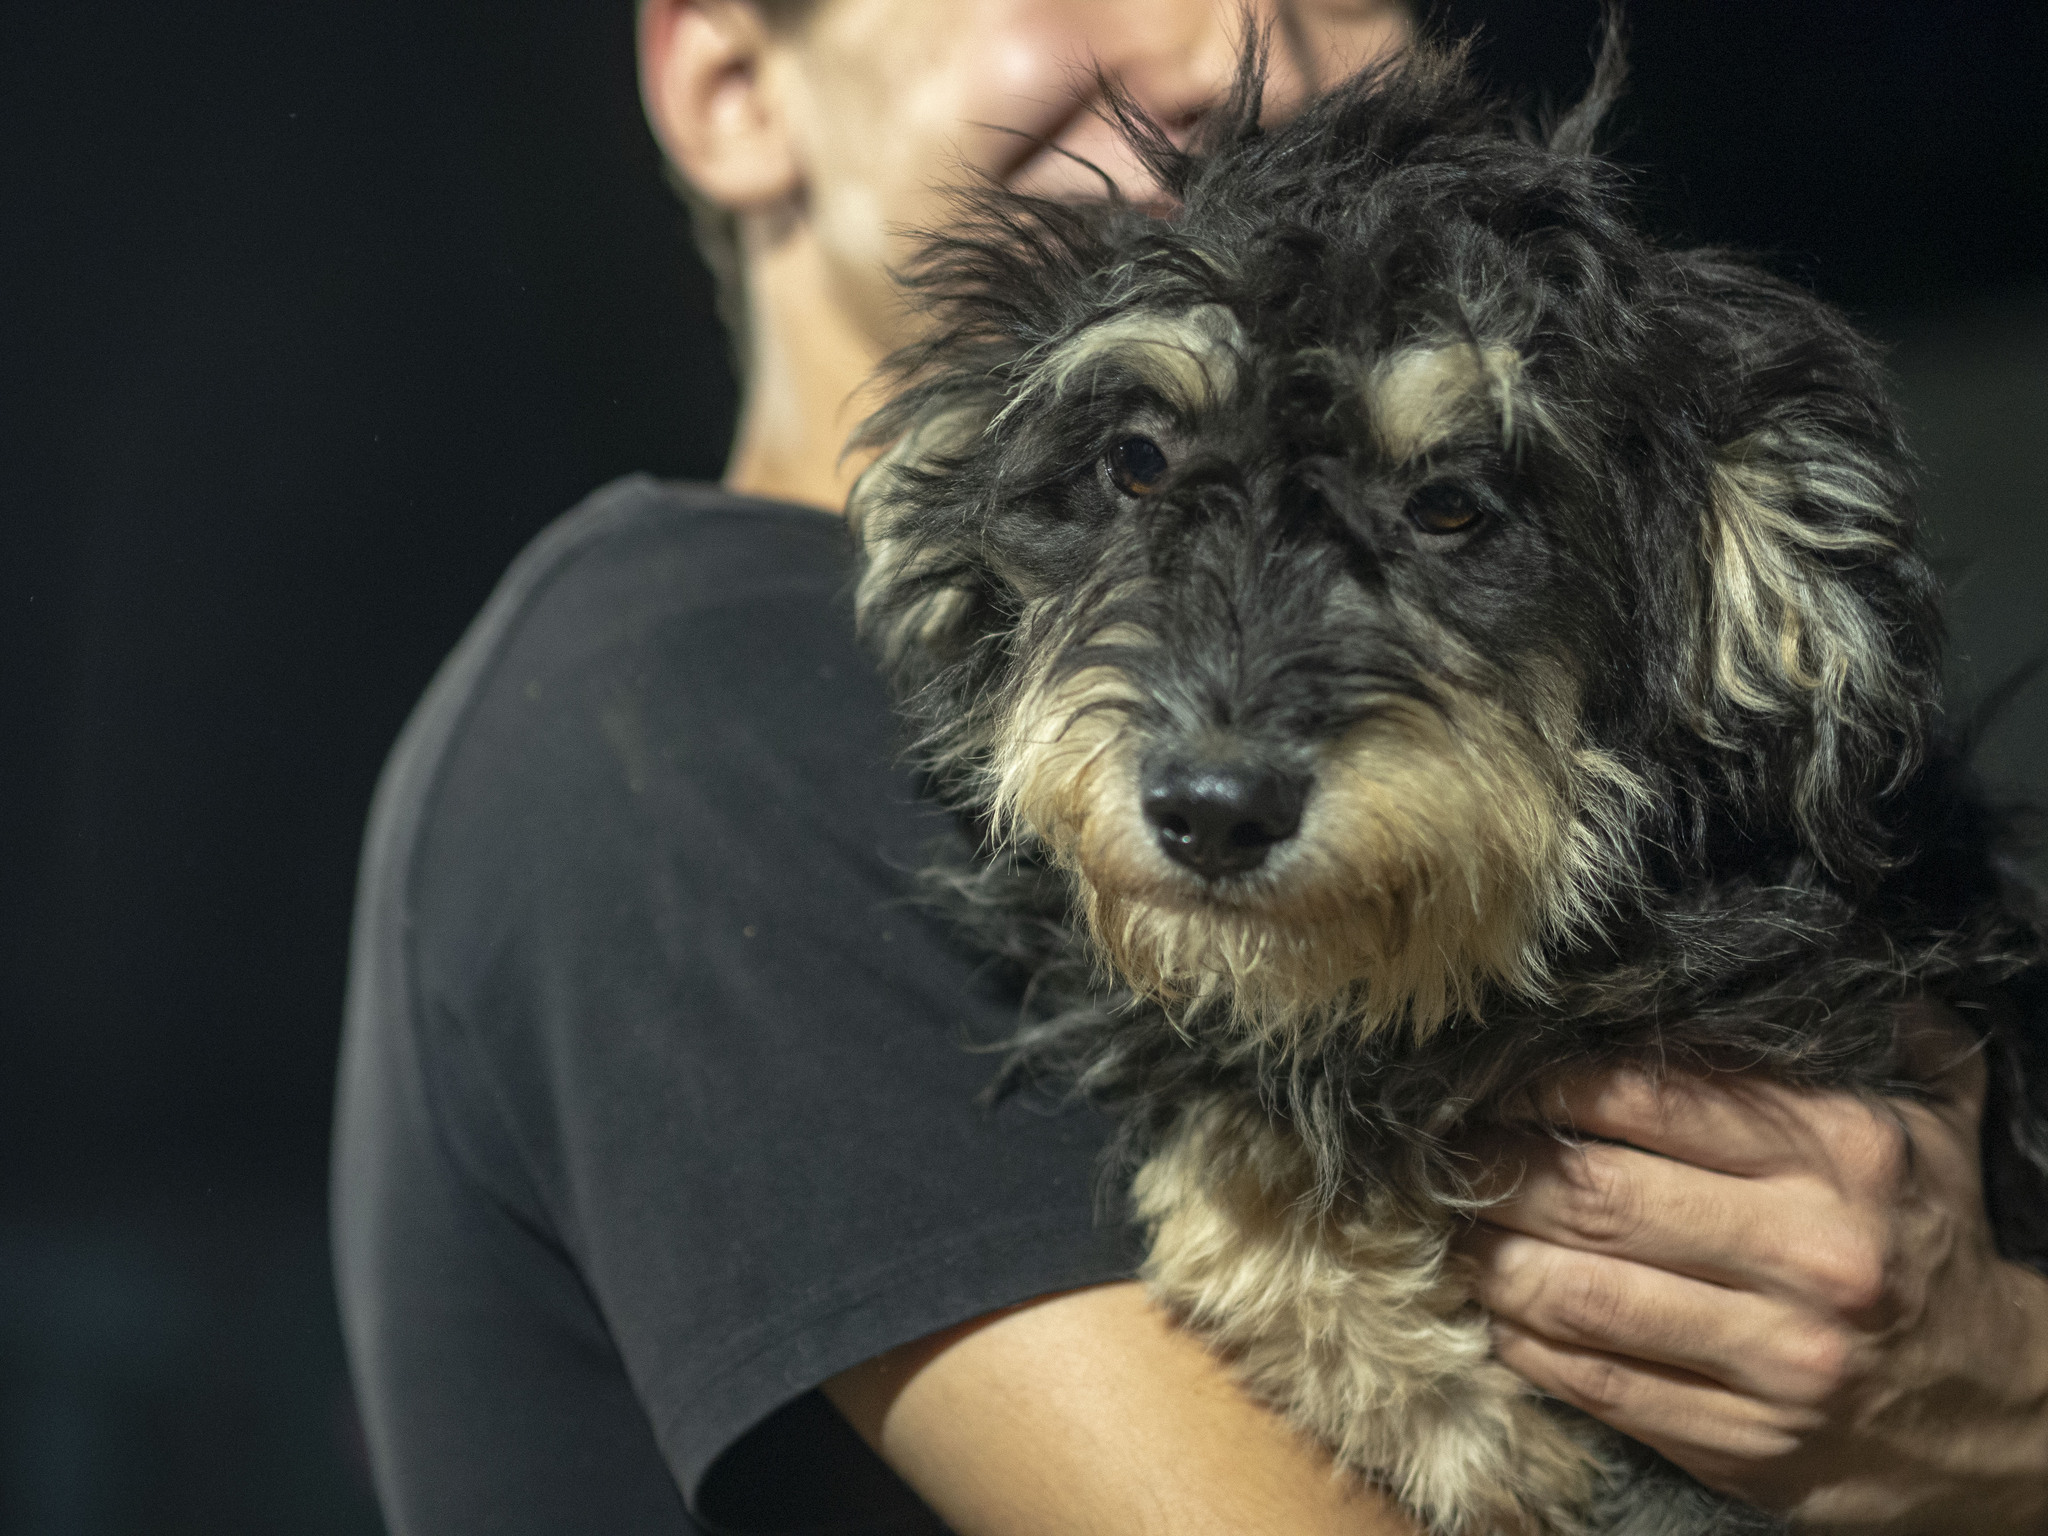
[
  {"x": 1578, "y": 131},
  {"x": 1003, "y": 277},
  {"x": 918, "y": 592},
  {"x": 1817, "y": 638}
]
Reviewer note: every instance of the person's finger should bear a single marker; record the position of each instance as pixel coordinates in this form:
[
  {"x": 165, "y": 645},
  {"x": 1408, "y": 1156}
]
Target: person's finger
[
  {"x": 1749, "y": 1343},
  {"x": 1743, "y": 1123},
  {"x": 1697, "y": 1423},
  {"x": 1730, "y": 1122},
  {"x": 1608, "y": 1199}
]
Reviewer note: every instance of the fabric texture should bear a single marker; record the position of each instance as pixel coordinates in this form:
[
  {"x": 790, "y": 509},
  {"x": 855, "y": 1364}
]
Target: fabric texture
[{"x": 658, "y": 1103}]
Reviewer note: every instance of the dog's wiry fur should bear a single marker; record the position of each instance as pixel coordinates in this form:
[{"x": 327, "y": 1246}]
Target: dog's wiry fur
[{"x": 1638, "y": 762}]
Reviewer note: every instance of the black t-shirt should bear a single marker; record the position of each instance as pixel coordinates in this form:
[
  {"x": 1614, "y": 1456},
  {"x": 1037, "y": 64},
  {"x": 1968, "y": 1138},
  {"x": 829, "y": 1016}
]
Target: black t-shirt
[{"x": 656, "y": 1101}]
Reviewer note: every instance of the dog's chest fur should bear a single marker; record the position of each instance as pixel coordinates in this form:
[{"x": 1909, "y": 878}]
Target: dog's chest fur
[{"x": 1398, "y": 634}]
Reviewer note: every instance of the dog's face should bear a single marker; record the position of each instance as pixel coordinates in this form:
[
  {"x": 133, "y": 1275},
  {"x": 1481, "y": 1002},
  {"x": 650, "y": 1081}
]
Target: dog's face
[{"x": 1349, "y": 579}]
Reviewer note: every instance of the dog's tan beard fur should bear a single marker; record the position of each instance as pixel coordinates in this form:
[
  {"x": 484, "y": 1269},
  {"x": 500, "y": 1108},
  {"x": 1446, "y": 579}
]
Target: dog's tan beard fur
[
  {"x": 1441, "y": 852},
  {"x": 1354, "y": 1320}
]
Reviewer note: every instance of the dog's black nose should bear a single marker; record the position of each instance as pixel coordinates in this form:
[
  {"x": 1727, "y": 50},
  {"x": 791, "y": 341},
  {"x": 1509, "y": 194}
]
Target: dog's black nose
[{"x": 1220, "y": 818}]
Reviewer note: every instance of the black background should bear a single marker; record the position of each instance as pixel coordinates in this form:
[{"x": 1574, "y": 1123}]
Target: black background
[{"x": 311, "y": 316}]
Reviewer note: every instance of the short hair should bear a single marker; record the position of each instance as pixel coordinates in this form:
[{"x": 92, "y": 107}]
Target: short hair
[{"x": 716, "y": 230}]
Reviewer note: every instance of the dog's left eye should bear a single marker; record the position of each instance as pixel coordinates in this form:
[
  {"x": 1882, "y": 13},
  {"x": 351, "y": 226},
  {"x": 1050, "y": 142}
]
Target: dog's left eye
[
  {"x": 1444, "y": 509},
  {"x": 1137, "y": 465}
]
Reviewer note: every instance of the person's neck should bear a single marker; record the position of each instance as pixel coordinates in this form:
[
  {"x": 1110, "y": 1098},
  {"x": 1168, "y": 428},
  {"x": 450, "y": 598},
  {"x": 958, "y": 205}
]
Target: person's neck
[{"x": 808, "y": 380}]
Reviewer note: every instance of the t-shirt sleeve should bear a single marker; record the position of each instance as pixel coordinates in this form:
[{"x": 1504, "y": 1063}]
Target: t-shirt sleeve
[{"x": 678, "y": 1004}]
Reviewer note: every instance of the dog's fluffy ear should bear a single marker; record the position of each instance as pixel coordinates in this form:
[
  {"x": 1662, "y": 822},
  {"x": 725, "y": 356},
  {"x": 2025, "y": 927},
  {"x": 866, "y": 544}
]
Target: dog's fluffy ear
[
  {"x": 1817, "y": 640},
  {"x": 917, "y": 592},
  {"x": 1578, "y": 131},
  {"x": 1005, "y": 278}
]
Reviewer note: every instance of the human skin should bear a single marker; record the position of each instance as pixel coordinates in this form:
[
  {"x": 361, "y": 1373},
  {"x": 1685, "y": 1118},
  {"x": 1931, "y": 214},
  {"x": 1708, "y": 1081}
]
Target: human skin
[
  {"x": 1793, "y": 1295},
  {"x": 1740, "y": 1275},
  {"x": 832, "y": 141},
  {"x": 1090, "y": 1411}
]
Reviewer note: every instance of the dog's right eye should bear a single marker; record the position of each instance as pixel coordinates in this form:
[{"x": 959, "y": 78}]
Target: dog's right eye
[
  {"x": 1443, "y": 508},
  {"x": 1137, "y": 465}
]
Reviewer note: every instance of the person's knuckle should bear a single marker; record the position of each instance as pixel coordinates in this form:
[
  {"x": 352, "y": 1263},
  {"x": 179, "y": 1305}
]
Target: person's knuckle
[
  {"x": 1600, "y": 1206},
  {"x": 1816, "y": 1361},
  {"x": 1632, "y": 1094},
  {"x": 1847, "y": 1272}
]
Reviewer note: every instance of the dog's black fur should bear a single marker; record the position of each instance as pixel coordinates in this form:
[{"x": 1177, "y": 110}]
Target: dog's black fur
[{"x": 1681, "y": 504}]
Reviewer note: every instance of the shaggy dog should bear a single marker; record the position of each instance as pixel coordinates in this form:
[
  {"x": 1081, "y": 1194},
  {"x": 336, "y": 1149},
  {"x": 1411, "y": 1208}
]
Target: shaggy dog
[{"x": 1398, "y": 632}]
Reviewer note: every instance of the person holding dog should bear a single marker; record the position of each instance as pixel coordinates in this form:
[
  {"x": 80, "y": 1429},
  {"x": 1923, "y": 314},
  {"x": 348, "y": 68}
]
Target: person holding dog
[{"x": 637, "y": 1143}]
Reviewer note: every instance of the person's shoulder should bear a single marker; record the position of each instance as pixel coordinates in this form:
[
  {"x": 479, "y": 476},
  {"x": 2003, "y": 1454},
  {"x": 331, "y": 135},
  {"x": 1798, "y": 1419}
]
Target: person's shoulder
[
  {"x": 641, "y": 549},
  {"x": 665, "y": 669},
  {"x": 661, "y": 626},
  {"x": 625, "y": 590}
]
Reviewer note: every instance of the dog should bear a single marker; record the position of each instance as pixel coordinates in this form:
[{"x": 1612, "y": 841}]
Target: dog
[{"x": 1397, "y": 631}]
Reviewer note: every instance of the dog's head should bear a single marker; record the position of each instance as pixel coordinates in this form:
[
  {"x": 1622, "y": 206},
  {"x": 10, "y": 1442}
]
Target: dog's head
[{"x": 1368, "y": 576}]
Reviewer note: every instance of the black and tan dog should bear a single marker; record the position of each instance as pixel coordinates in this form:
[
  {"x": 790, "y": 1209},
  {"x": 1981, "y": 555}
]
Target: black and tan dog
[{"x": 1401, "y": 632}]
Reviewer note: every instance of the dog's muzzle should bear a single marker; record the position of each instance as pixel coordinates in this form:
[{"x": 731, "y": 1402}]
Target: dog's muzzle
[{"x": 1220, "y": 818}]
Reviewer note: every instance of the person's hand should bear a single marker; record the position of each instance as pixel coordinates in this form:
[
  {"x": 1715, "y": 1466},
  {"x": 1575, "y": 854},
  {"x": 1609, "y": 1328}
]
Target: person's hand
[{"x": 1793, "y": 1295}]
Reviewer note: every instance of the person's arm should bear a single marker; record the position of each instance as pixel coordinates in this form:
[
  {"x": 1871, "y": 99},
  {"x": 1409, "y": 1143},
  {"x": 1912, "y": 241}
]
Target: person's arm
[
  {"x": 1793, "y": 1295},
  {"x": 1091, "y": 1412}
]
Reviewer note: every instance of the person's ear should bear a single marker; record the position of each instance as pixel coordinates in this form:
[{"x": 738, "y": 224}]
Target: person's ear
[{"x": 712, "y": 100}]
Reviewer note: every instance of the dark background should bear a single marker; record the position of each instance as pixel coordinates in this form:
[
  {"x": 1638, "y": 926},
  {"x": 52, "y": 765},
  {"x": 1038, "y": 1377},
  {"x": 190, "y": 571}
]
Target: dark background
[{"x": 310, "y": 316}]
